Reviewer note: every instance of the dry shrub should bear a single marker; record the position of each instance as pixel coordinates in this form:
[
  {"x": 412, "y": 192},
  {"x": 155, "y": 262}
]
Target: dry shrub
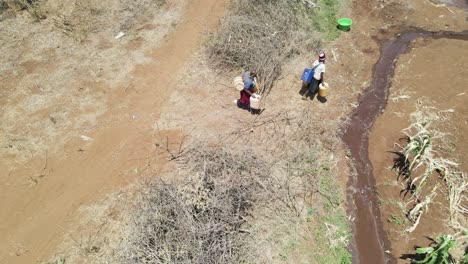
[
  {"x": 210, "y": 216},
  {"x": 17, "y": 4},
  {"x": 263, "y": 35},
  {"x": 32, "y": 6},
  {"x": 229, "y": 206},
  {"x": 288, "y": 131},
  {"x": 199, "y": 220}
]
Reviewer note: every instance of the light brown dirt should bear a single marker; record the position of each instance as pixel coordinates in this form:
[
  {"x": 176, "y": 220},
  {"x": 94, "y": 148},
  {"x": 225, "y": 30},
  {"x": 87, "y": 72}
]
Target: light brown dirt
[
  {"x": 174, "y": 94},
  {"x": 36, "y": 214},
  {"x": 201, "y": 104}
]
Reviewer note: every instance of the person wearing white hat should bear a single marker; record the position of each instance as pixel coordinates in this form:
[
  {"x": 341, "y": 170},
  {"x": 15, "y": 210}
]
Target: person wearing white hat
[{"x": 319, "y": 70}]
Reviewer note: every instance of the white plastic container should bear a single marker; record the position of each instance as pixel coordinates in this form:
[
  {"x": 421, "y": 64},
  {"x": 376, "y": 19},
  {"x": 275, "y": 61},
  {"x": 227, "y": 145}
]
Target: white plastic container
[
  {"x": 255, "y": 100},
  {"x": 238, "y": 83}
]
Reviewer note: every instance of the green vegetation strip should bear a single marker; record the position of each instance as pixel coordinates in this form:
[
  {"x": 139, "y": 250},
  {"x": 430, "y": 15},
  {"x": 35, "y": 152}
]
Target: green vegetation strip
[
  {"x": 325, "y": 16},
  {"x": 332, "y": 230}
]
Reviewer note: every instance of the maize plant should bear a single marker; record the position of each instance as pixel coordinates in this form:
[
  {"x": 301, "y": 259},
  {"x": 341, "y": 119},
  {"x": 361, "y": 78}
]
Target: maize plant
[
  {"x": 439, "y": 254},
  {"x": 416, "y": 213},
  {"x": 419, "y": 145},
  {"x": 418, "y": 151},
  {"x": 464, "y": 259}
]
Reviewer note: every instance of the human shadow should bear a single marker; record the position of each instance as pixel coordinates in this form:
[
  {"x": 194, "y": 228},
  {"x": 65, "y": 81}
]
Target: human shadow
[
  {"x": 257, "y": 111},
  {"x": 305, "y": 88},
  {"x": 321, "y": 99},
  {"x": 305, "y": 91},
  {"x": 250, "y": 110}
]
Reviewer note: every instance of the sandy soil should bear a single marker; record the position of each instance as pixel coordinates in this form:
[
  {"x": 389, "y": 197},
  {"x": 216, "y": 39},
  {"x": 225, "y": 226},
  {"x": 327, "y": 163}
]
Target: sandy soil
[
  {"x": 432, "y": 74},
  {"x": 173, "y": 92},
  {"x": 40, "y": 195},
  {"x": 213, "y": 109}
]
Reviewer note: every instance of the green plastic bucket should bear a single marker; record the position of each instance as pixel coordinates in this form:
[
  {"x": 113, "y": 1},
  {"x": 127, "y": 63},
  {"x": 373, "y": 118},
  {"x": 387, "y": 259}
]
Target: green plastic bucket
[{"x": 345, "y": 24}]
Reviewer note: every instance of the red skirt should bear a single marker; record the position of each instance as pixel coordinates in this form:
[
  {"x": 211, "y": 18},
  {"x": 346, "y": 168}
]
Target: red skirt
[{"x": 244, "y": 97}]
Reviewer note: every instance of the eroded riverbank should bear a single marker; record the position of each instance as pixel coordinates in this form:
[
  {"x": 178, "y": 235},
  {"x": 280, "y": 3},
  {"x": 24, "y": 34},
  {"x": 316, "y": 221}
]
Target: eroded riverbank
[{"x": 370, "y": 239}]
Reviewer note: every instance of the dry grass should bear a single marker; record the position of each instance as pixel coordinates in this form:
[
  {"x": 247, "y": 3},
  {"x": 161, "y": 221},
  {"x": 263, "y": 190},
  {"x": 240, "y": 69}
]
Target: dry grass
[
  {"x": 40, "y": 78},
  {"x": 89, "y": 17}
]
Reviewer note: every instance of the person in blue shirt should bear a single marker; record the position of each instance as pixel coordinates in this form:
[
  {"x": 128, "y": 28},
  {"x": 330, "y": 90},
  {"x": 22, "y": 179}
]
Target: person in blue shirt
[{"x": 249, "y": 86}]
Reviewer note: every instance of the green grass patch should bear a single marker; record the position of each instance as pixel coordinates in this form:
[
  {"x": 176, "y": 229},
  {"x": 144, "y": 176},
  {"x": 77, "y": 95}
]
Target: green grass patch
[
  {"x": 332, "y": 232},
  {"x": 325, "y": 18},
  {"x": 380, "y": 201},
  {"x": 396, "y": 219},
  {"x": 329, "y": 190},
  {"x": 58, "y": 261},
  {"x": 332, "y": 236}
]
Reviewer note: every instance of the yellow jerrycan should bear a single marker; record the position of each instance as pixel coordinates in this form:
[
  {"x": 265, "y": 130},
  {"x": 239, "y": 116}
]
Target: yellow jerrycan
[
  {"x": 256, "y": 86},
  {"x": 323, "y": 89}
]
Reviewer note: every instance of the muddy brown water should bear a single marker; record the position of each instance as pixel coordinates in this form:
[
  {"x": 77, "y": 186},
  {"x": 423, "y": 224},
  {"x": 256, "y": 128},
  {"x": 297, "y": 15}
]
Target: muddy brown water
[
  {"x": 370, "y": 244},
  {"x": 457, "y": 3}
]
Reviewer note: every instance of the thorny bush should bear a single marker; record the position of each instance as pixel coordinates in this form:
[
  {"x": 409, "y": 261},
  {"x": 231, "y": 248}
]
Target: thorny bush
[
  {"x": 207, "y": 216},
  {"x": 198, "y": 221}
]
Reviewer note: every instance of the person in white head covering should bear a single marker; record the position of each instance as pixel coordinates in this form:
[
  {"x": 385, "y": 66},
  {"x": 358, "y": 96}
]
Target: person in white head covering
[{"x": 319, "y": 70}]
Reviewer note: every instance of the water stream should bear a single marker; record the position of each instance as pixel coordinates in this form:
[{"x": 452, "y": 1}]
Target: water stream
[
  {"x": 457, "y": 3},
  {"x": 370, "y": 242}
]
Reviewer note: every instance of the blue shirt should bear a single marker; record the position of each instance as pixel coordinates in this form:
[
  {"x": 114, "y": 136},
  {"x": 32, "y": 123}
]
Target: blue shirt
[
  {"x": 246, "y": 75},
  {"x": 249, "y": 84}
]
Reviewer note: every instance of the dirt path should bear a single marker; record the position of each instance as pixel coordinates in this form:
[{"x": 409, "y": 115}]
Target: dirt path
[{"x": 35, "y": 220}]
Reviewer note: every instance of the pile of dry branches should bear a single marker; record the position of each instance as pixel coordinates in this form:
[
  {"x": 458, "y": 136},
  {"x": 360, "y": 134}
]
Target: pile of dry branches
[
  {"x": 263, "y": 35},
  {"x": 200, "y": 220},
  {"x": 228, "y": 206},
  {"x": 207, "y": 217}
]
